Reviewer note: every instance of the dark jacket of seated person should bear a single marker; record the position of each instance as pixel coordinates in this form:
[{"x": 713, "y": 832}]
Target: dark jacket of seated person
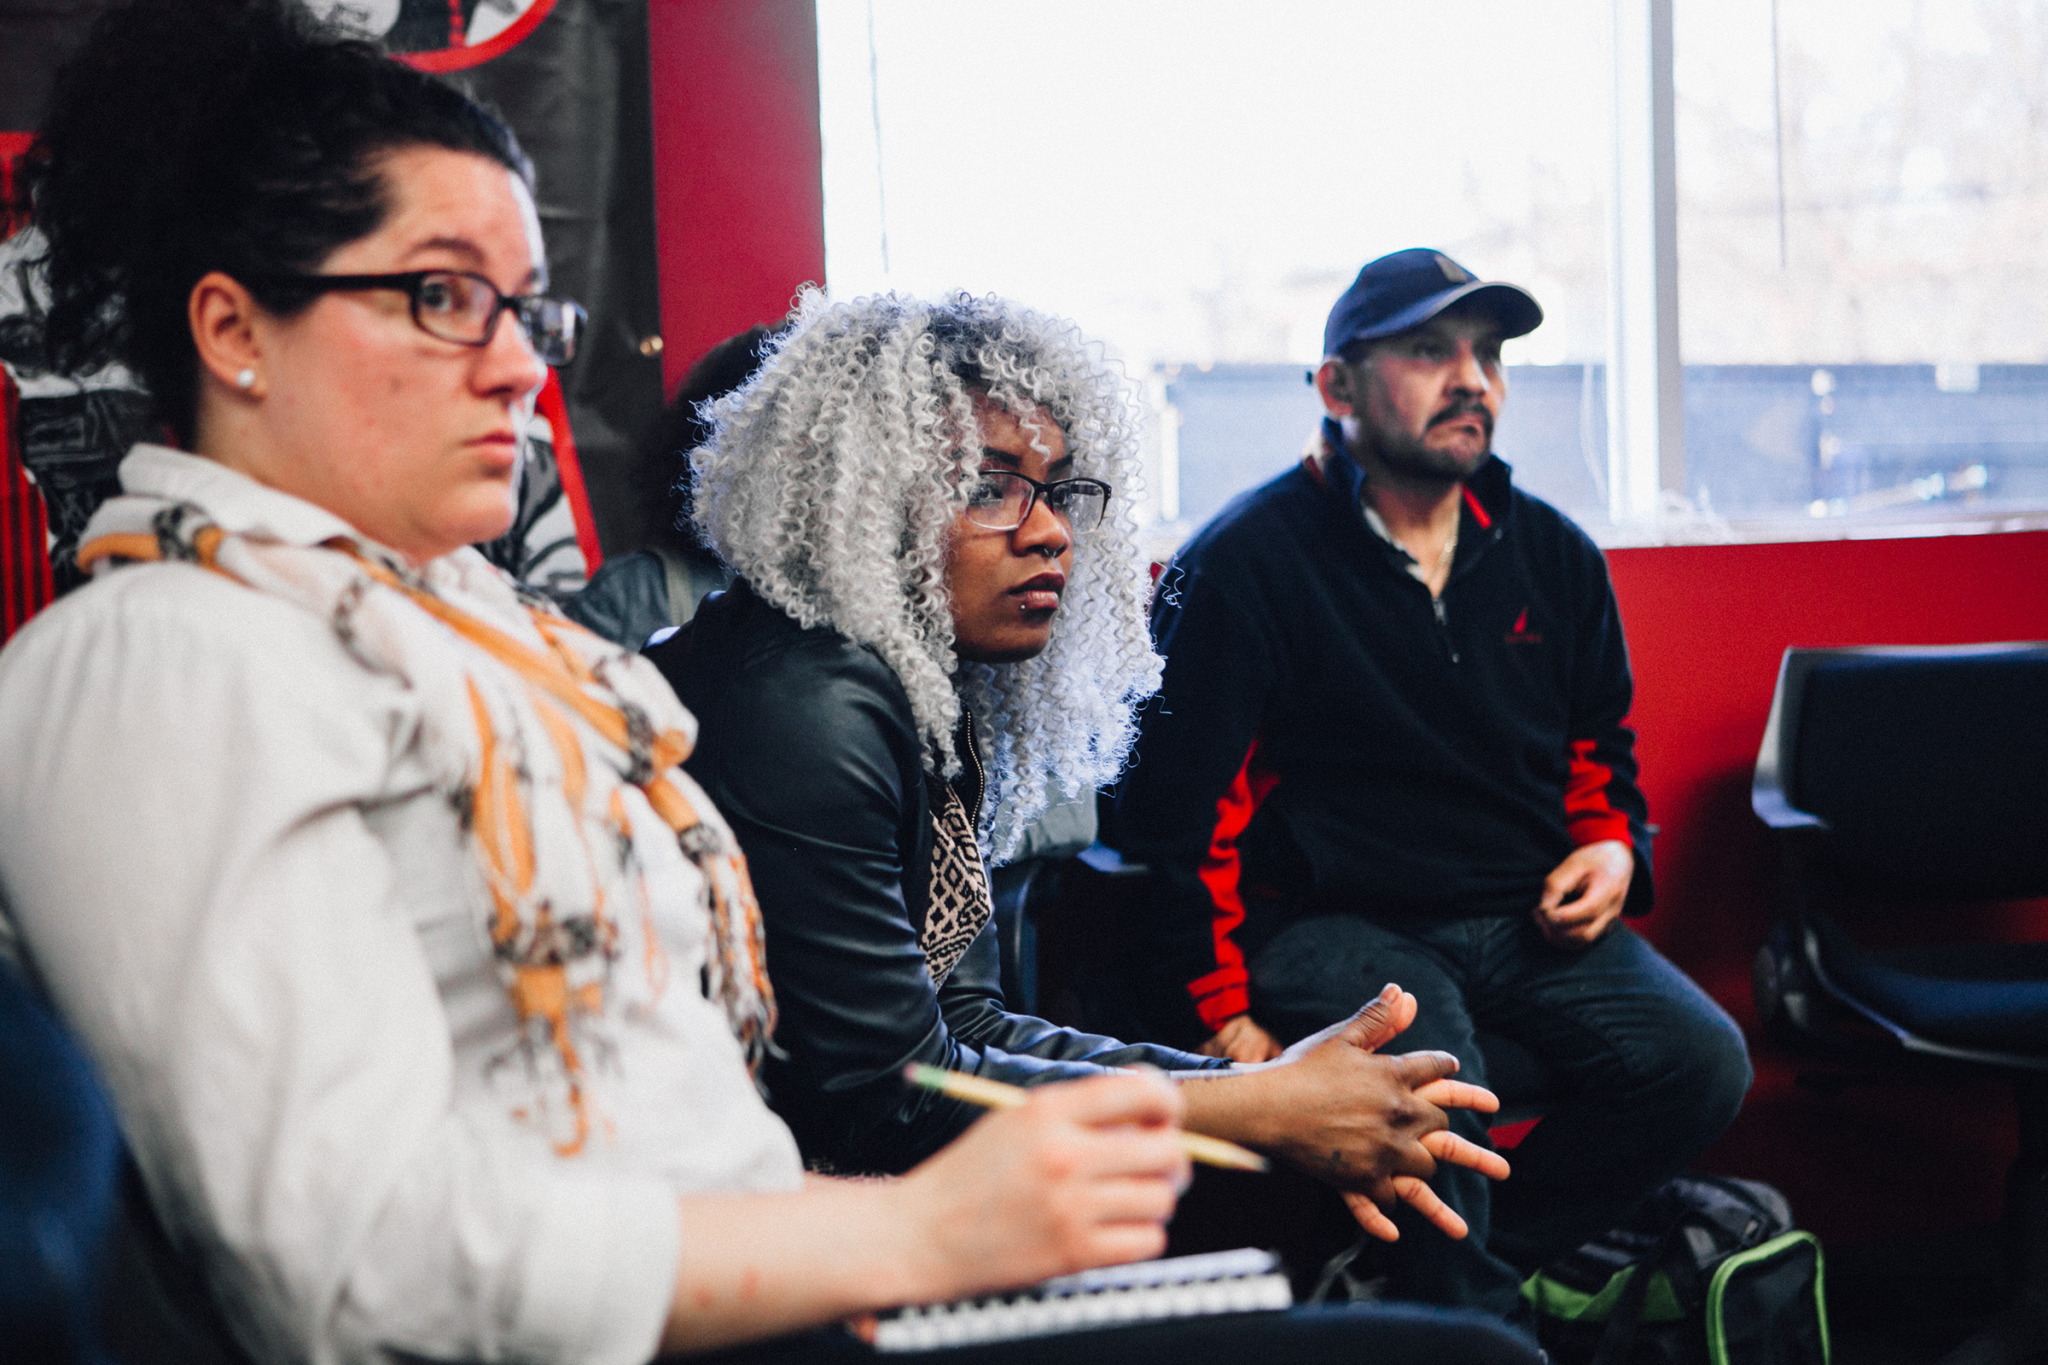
[{"x": 808, "y": 745}]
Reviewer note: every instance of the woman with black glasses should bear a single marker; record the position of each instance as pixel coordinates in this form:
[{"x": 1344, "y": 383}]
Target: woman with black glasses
[
  {"x": 942, "y": 612},
  {"x": 425, "y": 983}
]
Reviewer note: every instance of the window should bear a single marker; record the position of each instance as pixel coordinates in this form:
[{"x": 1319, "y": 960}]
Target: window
[
  {"x": 1860, "y": 256},
  {"x": 1194, "y": 183}
]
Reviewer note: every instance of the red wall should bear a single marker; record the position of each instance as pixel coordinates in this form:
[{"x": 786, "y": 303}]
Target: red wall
[
  {"x": 739, "y": 202},
  {"x": 1706, "y": 628}
]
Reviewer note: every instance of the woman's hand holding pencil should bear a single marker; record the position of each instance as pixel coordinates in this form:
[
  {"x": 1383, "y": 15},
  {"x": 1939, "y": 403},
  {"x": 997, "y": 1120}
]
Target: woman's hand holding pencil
[
  {"x": 1076, "y": 1175},
  {"x": 998, "y": 1095}
]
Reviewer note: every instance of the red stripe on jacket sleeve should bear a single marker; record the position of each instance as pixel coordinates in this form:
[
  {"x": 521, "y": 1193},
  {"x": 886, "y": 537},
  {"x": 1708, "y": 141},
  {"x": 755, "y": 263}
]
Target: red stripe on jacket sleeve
[
  {"x": 1588, "y": 813},
  {"x": 1223, "y": 994}
]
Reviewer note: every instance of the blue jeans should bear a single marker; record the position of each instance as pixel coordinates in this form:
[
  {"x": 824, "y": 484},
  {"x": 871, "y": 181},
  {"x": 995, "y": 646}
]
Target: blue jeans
[{"x": 1647, "y": 1072}]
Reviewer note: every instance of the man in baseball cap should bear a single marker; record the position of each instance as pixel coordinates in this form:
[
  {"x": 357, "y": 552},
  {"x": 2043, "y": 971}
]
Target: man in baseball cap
[{"x": 1391, "y": 745}]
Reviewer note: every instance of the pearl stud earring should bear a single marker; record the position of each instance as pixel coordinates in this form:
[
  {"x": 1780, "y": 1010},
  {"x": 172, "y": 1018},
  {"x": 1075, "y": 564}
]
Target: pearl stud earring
[{"x": 246, "y": 379}]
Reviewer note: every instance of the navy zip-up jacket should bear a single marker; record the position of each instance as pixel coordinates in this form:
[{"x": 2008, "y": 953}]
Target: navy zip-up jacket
[{"x": 1329, "y": 738}]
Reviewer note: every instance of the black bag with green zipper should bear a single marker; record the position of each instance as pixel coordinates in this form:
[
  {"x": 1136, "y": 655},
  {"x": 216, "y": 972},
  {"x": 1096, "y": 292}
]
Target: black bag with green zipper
[{"x": 1706, "y": 1271}]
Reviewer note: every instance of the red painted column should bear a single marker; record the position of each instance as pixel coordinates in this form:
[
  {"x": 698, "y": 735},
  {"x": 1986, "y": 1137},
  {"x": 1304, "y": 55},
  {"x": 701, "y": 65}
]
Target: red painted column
[{"x": 738, "y": 191}]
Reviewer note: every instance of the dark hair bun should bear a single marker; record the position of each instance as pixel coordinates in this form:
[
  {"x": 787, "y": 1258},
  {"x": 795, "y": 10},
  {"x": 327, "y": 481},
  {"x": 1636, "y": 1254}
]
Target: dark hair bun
[{"x": 196, "y": 135}]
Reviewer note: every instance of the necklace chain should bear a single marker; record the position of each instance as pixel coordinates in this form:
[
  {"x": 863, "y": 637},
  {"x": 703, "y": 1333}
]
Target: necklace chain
[{"x": 1450, "y": 547}]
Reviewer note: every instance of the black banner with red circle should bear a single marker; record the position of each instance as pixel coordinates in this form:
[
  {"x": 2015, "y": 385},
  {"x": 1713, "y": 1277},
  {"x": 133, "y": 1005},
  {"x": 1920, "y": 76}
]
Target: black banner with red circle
[{"x": 570, "y": 76}]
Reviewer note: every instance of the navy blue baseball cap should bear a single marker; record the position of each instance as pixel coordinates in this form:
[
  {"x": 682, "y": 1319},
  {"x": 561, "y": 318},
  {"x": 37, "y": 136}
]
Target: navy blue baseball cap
[{"x": 1408, "y": 288}]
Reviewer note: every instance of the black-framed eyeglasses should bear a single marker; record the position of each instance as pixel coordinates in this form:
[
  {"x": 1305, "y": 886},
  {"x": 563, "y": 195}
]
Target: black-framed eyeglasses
[
  {"x": 457, "y": 306},
  {"x": 1001, "y": 500}
]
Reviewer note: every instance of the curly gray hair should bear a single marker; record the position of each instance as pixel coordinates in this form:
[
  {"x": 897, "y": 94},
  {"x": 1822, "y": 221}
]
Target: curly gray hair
[{"x": 831, "y": 482}]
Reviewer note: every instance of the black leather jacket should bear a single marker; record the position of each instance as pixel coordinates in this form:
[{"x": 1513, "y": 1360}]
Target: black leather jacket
[{"x": 808, "y": 747}]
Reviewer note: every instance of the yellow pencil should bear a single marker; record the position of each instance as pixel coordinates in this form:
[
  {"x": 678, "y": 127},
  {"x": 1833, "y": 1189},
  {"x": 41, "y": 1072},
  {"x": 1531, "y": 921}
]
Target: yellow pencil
[{"x": 997, "y": 1095}]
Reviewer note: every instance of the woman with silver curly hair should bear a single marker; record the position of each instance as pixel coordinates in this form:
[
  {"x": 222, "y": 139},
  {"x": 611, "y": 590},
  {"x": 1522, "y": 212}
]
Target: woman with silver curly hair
[
  {"x": 940, "y": 598},
  {"x": 834, "y": 490}
]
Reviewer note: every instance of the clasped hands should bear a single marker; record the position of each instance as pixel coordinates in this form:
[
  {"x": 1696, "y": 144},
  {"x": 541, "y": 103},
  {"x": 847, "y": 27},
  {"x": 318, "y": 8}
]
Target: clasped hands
[
  {"x": 1087, "y": 1172},
  {"x": 1372, "y": 1126}
]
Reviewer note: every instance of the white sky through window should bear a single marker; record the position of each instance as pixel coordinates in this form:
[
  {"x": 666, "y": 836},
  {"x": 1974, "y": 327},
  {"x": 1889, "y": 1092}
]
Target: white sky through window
[{"x": 1197, "y": 181}]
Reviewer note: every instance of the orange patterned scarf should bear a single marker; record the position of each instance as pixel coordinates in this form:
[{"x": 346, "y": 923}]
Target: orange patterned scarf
[{"x": 554, "y": 943}]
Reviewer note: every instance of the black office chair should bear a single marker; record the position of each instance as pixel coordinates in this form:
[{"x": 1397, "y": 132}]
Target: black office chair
[
  {"x": 1898, "y": 780},
  {"x": 1021, "y": 892}
]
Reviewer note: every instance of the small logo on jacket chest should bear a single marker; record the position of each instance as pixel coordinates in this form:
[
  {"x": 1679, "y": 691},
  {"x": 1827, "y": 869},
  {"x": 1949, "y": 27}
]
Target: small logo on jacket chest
[{"x": 1521, "y": 634}]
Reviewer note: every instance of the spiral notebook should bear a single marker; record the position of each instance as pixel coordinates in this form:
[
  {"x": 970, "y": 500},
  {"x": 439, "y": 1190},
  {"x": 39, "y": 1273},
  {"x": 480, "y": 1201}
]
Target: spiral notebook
[{"x": 1243, "y": 1281}]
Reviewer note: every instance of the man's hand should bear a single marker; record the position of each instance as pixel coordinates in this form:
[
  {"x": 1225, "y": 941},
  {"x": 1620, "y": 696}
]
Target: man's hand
[
  {"x": 1370, "y": 1125},
  {"x": 1584, "y": 893},
  {"x": 1241, "y": 1040}
]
